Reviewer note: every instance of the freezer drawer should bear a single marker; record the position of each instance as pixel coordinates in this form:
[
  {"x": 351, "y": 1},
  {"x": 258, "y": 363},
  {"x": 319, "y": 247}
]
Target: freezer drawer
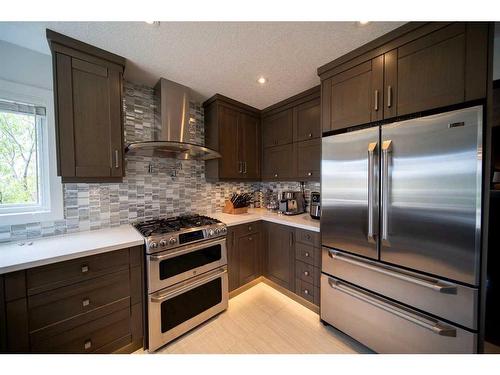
[
  {"x": 450, "y": 301},
  {"x": 387, "y": 327}
]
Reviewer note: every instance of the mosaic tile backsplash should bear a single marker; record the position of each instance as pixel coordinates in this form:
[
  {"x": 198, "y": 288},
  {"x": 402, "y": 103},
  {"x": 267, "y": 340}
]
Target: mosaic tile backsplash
[{"x": 152, "y": 187}]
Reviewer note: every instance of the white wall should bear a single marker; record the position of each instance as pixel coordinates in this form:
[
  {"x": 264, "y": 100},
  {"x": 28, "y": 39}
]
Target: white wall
[{"x": 21, "y": 65}]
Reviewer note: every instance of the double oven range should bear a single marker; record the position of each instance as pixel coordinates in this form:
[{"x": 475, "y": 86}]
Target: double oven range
[{"x": 186, "y": 265}]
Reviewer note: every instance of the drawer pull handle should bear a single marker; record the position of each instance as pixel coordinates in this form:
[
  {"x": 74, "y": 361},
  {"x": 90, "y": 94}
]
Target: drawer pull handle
[
  {"x": 86, "y": 302},
  {"x": 87, "y": 345},
  {"x": 309, "y": 173},
  {"x": 308, "y": 236},
  {"x": 306, "y": 291},
  {"x": 310, "y": 135},
  {"x": 438, "y": 286},
  {"x": 249, "y": 228},
  {"x": 436, "y": 327},
  {"x": 306, "y": 273},
  {"x": 249, "y": 238},
  {"x": 85, "y": 269},
  {"x": 307, "y": 254},
  {"x": 275, "y": 175}
]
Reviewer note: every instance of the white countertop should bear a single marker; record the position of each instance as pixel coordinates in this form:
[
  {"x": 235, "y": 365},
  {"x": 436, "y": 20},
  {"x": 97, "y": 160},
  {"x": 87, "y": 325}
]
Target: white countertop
[
  {"x": 303, "y": 221},
  {"x": 42, "y": 251},
  {"x": 14, "y": 257}
]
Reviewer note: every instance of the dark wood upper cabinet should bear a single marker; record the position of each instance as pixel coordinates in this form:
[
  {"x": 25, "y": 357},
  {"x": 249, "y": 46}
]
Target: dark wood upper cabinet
[
  {"x": 308, "y": 159},
  {"x": 307, "y": 123},
  {"x": 278, "y": 163},
  {"x": 88, "y": 103},
  {"x": 354, "y": 96},
  {"x": 417, "y": 67},
  {"x": 278, "y": 129},
  {"x": 233, "y": 129}
]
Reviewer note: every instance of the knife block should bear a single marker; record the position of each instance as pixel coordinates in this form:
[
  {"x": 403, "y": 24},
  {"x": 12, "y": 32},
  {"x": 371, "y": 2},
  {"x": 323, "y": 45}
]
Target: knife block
[{"x": 230, "y": 209}]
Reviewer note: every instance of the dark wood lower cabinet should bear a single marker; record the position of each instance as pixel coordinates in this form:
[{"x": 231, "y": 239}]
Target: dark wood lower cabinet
[
  {"x": 88, "y": 305},
  {"x": 280, "y": 255}
]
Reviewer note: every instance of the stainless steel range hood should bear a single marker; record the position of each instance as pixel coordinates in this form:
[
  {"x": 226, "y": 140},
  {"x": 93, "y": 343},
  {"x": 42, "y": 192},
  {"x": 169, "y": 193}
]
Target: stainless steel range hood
[{"x": 174, "y": 135}]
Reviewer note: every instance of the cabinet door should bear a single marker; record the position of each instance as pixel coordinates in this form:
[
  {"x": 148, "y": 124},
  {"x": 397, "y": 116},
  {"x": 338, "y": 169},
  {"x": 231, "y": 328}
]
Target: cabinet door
[
  {"x": 278, "y": 129},
  {"x": 249, "y": 145},
  {"x": 248, "y": 254},
  {"x": 280, "y": 262},
  {"x": 232, "y": 260},
  {"x": 89, "y": 119},
  {"x": 353, "y": 97},
  {"x": 308, "y": 159},
  {"x": 230, "y": 163},
  {"x": 431, "y": 71},
  {"x": 307, "y": 121},
  {"x": 278, "y": 163}
]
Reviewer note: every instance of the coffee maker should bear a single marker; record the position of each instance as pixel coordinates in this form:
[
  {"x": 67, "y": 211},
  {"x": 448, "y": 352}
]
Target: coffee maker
[
  {"x": 315, "y": 206},
  {"x": 292, "y": 203}
]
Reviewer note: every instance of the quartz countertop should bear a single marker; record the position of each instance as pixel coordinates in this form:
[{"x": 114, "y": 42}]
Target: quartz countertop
[
  {"x": 42, "y": 251},
  {"x": 303, "y": 221}
]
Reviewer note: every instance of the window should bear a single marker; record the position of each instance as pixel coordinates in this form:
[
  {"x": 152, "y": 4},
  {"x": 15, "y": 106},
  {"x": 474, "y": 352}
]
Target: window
[{"x": 29, "y": 188}]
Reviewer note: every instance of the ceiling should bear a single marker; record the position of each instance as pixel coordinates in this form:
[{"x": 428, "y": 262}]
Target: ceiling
[{"x": 215, "y": 57}]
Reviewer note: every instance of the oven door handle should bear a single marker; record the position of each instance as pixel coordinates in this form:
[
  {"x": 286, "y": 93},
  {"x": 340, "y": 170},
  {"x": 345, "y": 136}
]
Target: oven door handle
[
  {"x": 186, "y": 250},
  {"x": 202, "y": 279}
]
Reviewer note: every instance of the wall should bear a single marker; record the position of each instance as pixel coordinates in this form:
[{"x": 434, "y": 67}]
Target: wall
[
  {"x": 26, "y": 66},
  {"x": 172, "y": 189}
]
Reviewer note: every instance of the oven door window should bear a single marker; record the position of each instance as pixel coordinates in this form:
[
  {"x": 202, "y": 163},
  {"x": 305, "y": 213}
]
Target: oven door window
[
  {"x": 182, "y": 263},
  {"x": 185, "y": 306}
]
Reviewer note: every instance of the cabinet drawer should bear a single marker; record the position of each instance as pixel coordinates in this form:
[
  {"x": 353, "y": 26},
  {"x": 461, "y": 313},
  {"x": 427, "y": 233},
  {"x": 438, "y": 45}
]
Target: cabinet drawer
[
  {"x": 87, "y": 338},
  {"x": 307, "y": 237},
  {"x": 249, "y": 228},
  {"x": 305, "y": 290},
  {"x": 64, "y": 303},
  {"x": 387, "y": 327},
  {"x": 307, "y": 254},
  {"x": 305, "y": 272},
  {"x": 56, "y": 275},
  {"x": 453, "y": 302}
]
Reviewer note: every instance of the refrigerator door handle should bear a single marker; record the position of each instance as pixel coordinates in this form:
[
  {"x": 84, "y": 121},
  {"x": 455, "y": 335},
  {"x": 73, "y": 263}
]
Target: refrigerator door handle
[
  {"x": 372, "y": 147},
  {"x": 386, "y": 150},
  {"x": 437, "y": 286},
  {"x": 436, "y": 327}
]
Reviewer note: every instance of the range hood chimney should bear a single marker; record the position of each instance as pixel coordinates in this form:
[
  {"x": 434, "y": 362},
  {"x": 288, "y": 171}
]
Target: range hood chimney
[{"x": 174, "y": 134}]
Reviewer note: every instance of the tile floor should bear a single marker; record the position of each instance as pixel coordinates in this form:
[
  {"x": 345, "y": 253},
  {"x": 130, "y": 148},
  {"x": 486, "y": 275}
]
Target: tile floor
[{"x": 263, "y": 321}]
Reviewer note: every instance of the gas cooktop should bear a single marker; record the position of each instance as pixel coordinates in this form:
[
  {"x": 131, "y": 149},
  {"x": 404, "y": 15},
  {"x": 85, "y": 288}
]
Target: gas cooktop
[{"x": 163, "y": 234}]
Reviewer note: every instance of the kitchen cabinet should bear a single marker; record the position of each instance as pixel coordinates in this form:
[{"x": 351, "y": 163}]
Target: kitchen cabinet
[
  {"x": 280, "y": 255},
  {"x": 233, "y": 129},
  {"x": 278, "y": 129},
  {"x": 291, "y": 131},
  {"x": 244, "y": 252},
  {"x": 88, "y": 108},
  {"x": 415, "y": 68},
  {"x": 92, "y": 304}
]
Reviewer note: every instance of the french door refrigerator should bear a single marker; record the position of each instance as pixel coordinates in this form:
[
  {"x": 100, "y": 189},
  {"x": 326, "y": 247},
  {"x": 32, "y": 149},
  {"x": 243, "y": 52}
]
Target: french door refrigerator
[{"x": 401, "y": 231}]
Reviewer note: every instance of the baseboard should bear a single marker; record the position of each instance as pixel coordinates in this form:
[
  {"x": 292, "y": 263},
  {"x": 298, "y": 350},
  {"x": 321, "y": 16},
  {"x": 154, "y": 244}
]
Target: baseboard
[
  {"x": 290, "y": 294},
  {"x": 245, "y": 287}
]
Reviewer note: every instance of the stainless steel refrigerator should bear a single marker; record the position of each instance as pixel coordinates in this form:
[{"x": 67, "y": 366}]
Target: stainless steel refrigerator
[{"x": 401, "y": 233}]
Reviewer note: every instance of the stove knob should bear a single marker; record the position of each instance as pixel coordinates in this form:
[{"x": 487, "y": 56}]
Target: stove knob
[
  {"x": 153, "y": 245},
  {"x": 172, "y": 241},
  {"x": 210, "y": 232},
  {"x": 217, "y": 231},
  {"x": 223, "y": 230},
  {"x": 163, "y": 243}
]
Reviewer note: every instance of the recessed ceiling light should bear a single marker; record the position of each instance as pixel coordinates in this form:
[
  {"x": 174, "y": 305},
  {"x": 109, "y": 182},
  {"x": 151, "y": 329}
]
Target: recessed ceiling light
[
  {"x": 362, "y": 23},
  {"x": 156, "y": 23},
  {"x": 262, "y": 80}
]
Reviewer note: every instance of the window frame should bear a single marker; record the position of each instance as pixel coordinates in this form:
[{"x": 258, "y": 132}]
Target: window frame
[{"x": 50, "y": 207}]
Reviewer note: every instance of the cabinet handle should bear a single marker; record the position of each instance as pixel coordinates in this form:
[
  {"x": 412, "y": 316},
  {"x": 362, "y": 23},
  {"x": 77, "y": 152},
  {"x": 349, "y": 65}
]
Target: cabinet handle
[
  {"x": 86, "y": 302},
  {"x": 291, "y": 239},
  {"x": 306, "y": 291},
  {"x": 306, "y": 273},
  {"x": 249, "y": 238},
  {"x": 389, "y": 96},
  {"x": 375, "y": 106},
  {"x": 310, "y": 135},
  {"x": 117, "y": 165},
  {"x": 85, "y": 269},
  {"x": 309, "y": 174},
  {"x": 307, "y": 254},
  {"x": 245, "y": 167},
  {"x": 87, "y": 344},
  {"x": 249, "y": 228},
  {"x": 275, "y": 175},
  {"x": 240, "y": 167}
]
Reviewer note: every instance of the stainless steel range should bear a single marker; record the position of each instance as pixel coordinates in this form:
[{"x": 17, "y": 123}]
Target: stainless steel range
[{"x": 186, "y": 262}]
